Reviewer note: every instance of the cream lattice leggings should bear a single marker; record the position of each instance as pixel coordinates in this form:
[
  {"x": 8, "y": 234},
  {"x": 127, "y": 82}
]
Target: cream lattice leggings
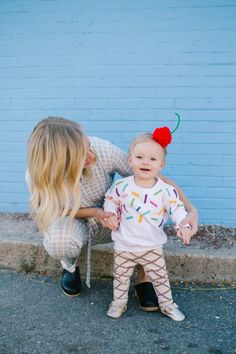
[{"x": 154, "y": 266}]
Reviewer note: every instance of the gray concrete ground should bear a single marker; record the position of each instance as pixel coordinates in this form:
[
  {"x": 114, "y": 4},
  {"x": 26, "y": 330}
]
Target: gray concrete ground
[{"x": 37, "y": 318}]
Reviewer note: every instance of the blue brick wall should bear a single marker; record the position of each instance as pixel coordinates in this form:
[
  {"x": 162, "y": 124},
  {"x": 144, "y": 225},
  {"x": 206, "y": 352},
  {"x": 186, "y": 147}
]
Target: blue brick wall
[{"x": 120, "y": 68}]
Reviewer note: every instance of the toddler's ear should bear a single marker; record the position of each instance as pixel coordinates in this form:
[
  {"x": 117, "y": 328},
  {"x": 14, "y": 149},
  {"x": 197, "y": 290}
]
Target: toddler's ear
[{"x": 163, "y": 164}]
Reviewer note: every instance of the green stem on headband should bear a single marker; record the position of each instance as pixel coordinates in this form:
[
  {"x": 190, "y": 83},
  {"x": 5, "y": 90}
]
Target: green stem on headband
[{"x": 177, "y": 126}]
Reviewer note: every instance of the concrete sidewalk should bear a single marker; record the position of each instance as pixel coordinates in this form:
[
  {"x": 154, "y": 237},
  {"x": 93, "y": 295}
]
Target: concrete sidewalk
[
  {"x": 36, "y": 317},
  {"x": 21, "y": 250}
]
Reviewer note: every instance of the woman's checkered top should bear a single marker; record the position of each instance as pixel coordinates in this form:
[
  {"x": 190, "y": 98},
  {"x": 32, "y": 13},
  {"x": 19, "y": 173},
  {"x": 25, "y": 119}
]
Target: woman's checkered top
[{"x": 110, "y": 160}]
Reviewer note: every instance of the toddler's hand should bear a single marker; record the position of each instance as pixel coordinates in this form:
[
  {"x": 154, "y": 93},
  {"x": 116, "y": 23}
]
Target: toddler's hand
[
  {"x": 112, "y": 222},
  {"x": 192, "y": 220},
  {"x": 185, "y": 233}
]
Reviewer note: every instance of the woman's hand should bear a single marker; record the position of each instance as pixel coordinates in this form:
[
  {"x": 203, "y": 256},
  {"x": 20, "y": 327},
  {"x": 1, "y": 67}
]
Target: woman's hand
[
  {"x": 191, "y": 219},
  {"x": 102, "y": 216},
  {"x": 112, "y": 222},
  {"x": 185, "y": 234}
]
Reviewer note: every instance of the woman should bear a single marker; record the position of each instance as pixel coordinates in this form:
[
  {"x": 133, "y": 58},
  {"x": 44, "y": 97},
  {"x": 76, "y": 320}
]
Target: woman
[{"x": 68, "y": 175}]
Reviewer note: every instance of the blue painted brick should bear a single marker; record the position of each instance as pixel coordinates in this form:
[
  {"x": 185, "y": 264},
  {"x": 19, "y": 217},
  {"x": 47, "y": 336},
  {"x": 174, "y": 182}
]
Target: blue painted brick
[{"x": 121, "y": 69}]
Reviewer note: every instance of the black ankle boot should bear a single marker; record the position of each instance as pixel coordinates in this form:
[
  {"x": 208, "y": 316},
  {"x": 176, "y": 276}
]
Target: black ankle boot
[
  {"x": 146, "y": 296},
  {"x": 71, "y": 282}
]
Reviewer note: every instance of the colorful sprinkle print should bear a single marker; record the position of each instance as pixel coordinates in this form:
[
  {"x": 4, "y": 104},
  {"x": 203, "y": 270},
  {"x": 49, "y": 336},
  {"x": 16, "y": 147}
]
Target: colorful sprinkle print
[
  {"x": 161, "y": 222},
  {"x": 147, "y": 212},
  {"x": 135, "y": 194},
  {"x": 119, "y": 182},
  {"x": 144, "y": 207},
  {"x": 160, "y": 190},
  {"x": 168, "y": 192},
  {"x": 125, "y": 186},
  {"x": 129, "y": 217},
  {"x": 151, "y": 202}
]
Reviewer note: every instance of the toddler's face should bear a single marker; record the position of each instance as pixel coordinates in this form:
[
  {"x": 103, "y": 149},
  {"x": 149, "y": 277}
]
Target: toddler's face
[{"x": 146, "y": 160}]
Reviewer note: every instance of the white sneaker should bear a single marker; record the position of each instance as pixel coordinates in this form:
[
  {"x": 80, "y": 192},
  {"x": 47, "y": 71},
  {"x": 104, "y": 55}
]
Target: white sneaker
[
  {"x": 172, "y": 311},
  {"x": 116, "y": 309}
]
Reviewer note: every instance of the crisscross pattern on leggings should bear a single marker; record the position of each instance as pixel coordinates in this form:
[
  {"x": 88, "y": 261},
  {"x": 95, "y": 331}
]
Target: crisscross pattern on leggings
[{"x": 154, "y": 265}]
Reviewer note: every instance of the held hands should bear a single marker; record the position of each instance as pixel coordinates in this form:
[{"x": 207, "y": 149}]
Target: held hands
[
  {"x": 112, "y": 222},
  {"x": 107, "y": 219}
]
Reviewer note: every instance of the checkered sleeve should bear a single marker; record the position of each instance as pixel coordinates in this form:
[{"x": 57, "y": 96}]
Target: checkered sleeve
[{"x": 117, "y": 161}]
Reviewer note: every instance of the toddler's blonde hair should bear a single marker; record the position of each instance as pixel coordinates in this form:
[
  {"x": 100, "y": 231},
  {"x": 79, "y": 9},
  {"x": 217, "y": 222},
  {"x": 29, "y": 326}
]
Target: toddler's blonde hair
[
  {"x": 56, "y": 156},
  {"x": 143, "y": 138}
]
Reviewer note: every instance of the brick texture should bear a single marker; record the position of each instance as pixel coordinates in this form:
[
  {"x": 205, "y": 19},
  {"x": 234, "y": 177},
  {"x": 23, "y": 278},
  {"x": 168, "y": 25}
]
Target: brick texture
[{"x": 120, "y": 68}]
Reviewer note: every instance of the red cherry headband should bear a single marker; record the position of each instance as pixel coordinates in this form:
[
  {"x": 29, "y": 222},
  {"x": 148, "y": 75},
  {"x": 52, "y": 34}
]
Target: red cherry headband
[{"x": 163, "y": 136}]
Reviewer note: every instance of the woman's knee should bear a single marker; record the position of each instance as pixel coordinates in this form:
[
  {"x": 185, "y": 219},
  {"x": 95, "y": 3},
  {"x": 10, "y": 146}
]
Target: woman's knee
[
  {"x": 59, "y": 248},
  {"x": 66, "y": 241}
]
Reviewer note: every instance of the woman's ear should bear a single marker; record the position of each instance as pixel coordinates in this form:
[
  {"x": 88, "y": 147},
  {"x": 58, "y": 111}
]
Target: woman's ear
[{"x": 129, "y": 160}]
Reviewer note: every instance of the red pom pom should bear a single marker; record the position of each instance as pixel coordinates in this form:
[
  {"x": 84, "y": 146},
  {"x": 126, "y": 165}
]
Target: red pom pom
[{"x": 162, "y": 136}]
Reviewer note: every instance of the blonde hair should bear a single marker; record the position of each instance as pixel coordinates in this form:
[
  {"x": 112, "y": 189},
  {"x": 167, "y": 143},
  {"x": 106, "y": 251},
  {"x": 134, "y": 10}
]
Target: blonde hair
[
  {"x": 143, "y": 138},
  {"x": 56, "y": 156}
]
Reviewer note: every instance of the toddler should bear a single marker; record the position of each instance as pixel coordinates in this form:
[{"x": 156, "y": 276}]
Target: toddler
[{"x": 141, "y": 204}]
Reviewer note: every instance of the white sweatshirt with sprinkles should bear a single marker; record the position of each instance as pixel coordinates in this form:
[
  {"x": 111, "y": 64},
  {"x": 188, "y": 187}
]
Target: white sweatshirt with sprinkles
[{"x": 144, "y": 212}]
